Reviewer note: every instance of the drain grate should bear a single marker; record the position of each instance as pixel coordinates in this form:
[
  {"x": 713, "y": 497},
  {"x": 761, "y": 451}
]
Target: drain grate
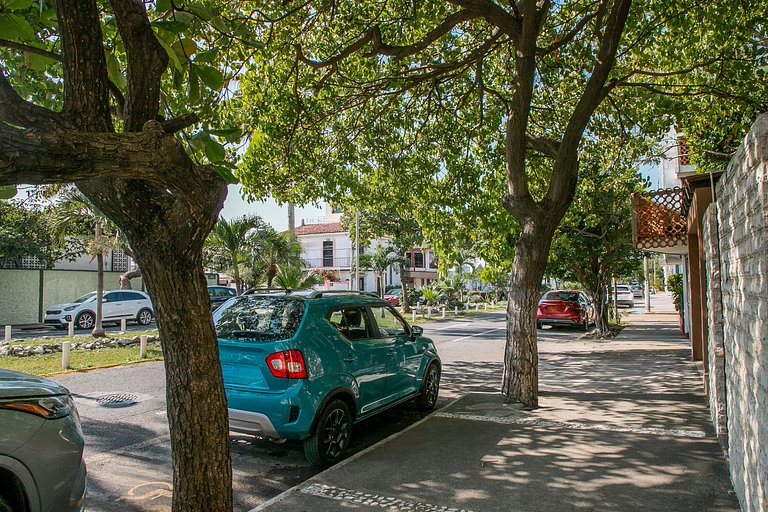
[{"x": 117, "y": 400}]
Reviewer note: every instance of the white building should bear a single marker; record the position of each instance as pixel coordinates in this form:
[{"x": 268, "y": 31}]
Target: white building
[{"x": 328, "y": 246}]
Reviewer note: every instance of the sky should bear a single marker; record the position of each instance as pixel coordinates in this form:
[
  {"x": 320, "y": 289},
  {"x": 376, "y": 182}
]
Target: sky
[{"x": 270, "y": 211}]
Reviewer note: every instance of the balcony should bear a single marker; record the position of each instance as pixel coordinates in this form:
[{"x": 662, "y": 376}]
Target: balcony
[
  {"x": 336, "y": 262},
  {"x": 658, "y": 224}
]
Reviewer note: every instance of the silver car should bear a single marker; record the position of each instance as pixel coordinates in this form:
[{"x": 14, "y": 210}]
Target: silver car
[{"x": 41, "y": 446}]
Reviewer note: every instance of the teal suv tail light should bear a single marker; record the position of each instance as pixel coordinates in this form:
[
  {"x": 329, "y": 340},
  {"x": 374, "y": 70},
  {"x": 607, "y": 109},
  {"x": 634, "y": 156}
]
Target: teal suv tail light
[{"x": 288, "y": 364}]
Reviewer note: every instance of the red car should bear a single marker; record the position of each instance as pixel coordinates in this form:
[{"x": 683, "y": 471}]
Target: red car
[
  {"x": 393, "y": 296},
  {"x": 565, "y": 307}
]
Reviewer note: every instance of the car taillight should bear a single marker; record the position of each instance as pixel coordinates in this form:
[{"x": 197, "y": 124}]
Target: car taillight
[{"x": 288, "y": 364}]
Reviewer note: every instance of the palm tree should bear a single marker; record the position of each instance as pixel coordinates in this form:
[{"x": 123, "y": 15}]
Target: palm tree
[
  {"x": 276, "y": 250},
  {"x": 74, "y": 217},
  {"x": 379, "y": 261},
  {"x": 230, "y": 241},
  {"x": 293, "y": 278}
]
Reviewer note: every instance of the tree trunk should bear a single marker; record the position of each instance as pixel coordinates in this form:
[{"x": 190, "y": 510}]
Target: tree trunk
[
  {"x": 197, "y": 413},
  {"x": 98, "y": 329},
  {"x": 601, "y": 312},
  {"x": 404, "y": 289},
  {"x": 125, "y": 279},
  {"x": 521, "y": 358}
]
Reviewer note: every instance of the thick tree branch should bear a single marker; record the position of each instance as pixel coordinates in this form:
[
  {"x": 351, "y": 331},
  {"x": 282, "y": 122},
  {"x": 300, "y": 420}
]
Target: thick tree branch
[
  {"x": 510, "y": 24},
  {"x": 562, "y": 184},
  {"x": 30, "y": 49},
  {"x": 373, "y": 36},
  {"x": 43, "y": 157},
  {"x": 16, "y": 111},
  {"x": 518, "y": 199},
  {"x": 576, "y": 30},
  {"x": 179, "y": 123},
  {"x": 146, "y": 62},
  {"x": 86, "y": 82},
  {"x": 543, "y": 145}
]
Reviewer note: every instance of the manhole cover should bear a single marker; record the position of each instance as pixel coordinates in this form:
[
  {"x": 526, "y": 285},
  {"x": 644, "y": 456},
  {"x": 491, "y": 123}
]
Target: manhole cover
[{"x": 117, "y": 400}]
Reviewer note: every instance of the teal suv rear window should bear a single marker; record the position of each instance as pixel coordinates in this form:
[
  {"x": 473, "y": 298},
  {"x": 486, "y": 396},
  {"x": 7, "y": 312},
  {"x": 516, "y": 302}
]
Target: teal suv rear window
[{"x": 259, "y": 318}]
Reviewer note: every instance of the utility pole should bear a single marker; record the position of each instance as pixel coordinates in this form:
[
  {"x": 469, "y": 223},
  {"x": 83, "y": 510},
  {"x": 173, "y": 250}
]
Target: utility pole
[
  {"x": 357, "y": 252},
  {"x": 647, "y": 287}
]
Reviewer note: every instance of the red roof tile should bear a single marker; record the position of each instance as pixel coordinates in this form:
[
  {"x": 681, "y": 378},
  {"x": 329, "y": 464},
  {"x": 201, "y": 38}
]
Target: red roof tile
[{"x": 317, "y": 229}]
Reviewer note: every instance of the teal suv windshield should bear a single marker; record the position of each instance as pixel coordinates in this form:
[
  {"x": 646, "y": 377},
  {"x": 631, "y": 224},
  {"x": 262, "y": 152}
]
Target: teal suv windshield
[{"x": 259, "y": 318}]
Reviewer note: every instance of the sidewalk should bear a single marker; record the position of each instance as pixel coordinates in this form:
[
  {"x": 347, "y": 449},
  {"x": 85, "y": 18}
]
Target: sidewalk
[{"x": 621, "y": 427}]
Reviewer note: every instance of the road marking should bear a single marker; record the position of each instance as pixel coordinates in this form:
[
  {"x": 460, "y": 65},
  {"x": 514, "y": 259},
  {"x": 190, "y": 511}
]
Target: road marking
[
  {"x": 477, "y": 334},
  {"x": 602, "y": 427},
  {"x": 374, "y": 500}
]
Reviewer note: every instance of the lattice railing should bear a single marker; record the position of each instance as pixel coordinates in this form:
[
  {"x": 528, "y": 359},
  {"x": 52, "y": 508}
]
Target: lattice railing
[{"x": 657, "y": 220}]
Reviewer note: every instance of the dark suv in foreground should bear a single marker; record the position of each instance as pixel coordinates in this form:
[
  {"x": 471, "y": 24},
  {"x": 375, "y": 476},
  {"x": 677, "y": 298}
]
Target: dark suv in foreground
[{"x": 308, "y": 365}]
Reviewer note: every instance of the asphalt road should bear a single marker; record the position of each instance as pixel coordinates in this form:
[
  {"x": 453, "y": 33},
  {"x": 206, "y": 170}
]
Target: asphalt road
[{"x": 128, "y": 448}]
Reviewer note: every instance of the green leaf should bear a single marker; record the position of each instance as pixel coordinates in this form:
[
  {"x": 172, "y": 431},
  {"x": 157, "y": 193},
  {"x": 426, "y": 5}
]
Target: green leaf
[
  {"x": 185, "y": 48},
  {"x": 211, "y": 77},
  {"x": 215, "y": 151},
  {"x": 18, "y": 5},
  {"x": 199, "y": 11},
  {"x": 163, "y": 6},
  {"x": 207, "y": 56},
  {"x": 7, "y": 191},
  {"x": 199, "y": 140},
  {"x": 172, "y": 54},
  {"x": 193, "y": 86},
  {"x": 15, "y": 27},
  {"x": 174, "y": 27},
  {"x": 37, "y": 62},
  {"x": 114, "y": 71},
  {"x": 183, "y": 17},
  {"x": 226, "y": 174},
  {"x": 220, "y": 25},
  {"x": 230, "y": 134}
]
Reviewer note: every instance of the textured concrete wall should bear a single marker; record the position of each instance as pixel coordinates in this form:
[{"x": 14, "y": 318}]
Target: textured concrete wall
[
  {"x": 742, "y": 211},
  {"x": 716, "y": 347},
  {"x": 20, "y": 291}
]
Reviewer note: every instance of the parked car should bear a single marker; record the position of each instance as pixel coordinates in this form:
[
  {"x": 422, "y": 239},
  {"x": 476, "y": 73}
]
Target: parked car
[
  {"x": 117, "y": 304},
  {"x": 41, "y": 446},
  {"x": 307, "y": 365},
  {"x": 637, "y": 290},
  {"x": 220, "y": 294},
  {"x": 393, "y": 296},
  {"x": 624, "y": 296},
  {"x": 565, "y": 307}
]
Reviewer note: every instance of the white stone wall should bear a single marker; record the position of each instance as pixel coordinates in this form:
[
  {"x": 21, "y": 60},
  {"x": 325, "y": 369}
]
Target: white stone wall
[
  {"x": 716, "y": 344},
  {"x": 742, "y": 211}
]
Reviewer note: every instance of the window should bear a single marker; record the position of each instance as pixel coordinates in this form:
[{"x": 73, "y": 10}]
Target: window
[
  {"x": 113, "y": 297},
  {"x": 328, "y": 253},
  {"x": 432, "y": 260},
  {"x": 418, "y": 260},
  {"x": 352, "y": 322},
  {"x": 259, "y": 318},
  {"x": 132, "y": 296},
  {"x": 390, "y": 322},
  {"x": 361, "y": 284}
]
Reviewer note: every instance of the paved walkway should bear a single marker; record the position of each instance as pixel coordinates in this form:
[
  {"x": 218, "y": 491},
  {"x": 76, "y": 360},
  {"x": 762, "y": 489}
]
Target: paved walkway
[{"x": 622, "y": 426}]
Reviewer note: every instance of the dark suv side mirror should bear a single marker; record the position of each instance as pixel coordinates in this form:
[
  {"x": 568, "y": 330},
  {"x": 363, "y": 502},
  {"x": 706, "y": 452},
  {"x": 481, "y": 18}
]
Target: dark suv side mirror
[{"x": 416, "y": 331}]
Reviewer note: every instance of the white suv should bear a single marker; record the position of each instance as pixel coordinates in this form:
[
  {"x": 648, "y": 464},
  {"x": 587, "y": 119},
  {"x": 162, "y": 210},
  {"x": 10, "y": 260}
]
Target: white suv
[
  {"x": 624, "y": 296},
  {"x": 118, "y": 304}
]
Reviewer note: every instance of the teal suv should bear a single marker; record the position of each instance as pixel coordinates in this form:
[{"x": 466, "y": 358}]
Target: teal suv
[{"x": 308, "y": 365}]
